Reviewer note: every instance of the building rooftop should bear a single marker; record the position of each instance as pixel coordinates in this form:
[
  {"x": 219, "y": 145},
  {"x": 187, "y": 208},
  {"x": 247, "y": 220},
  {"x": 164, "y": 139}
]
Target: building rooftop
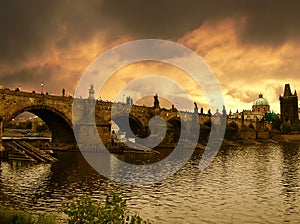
[{"x": 260, "y": 101}]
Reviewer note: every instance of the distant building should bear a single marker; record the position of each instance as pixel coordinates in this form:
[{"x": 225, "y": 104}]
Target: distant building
[
  {"x": 261, "y": 105},
  {"x": 289, "y": 106},
  {"x": 260, "y": 108},
  {"x": 253, "y": 116},
  {"x": 247, "y": 115}
]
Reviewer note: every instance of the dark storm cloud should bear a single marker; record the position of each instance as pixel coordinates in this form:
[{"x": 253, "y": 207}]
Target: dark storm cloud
[
  {"x": 271, "y": 22},
  {"x": 266, "y": 21},
  {"x": 27, "y": 26},
  {"x": 165, "y": 19},
  {"x": 24, "y": 78},
  {"x": 31, "y": 78}
]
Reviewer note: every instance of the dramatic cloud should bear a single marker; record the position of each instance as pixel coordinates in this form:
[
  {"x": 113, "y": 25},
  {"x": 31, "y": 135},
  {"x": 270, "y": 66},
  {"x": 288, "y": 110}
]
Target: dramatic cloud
[
  {"x": 242, "y": 70},
  {"x": 251, "y": 45},
  {"x": 166, "y": 88}
]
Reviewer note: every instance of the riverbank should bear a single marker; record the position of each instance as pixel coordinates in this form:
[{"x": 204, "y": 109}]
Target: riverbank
[
  {"x": 10, "y": 216},
  {"x": 291, "y": 137},
  {"x": 81, "y": 209}
]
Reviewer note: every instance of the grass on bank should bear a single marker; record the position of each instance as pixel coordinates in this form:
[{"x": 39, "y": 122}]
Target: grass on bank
[
  {"x": 8, "y": 216},
  {"x": 80, "y": 211}
]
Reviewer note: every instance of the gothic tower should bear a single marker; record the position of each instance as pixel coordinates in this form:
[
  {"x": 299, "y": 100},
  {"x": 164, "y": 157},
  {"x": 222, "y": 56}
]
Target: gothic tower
[{"x": 289, "y": 106}]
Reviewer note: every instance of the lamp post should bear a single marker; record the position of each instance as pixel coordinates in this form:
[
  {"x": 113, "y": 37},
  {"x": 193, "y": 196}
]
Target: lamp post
[{"x": 42, "y": 87}]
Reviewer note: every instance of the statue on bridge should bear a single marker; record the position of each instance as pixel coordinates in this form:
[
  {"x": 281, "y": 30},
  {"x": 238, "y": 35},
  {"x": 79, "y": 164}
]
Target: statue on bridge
[
  {"x": 195, "y": 108},
  {"x": 156, "y": 101},
  {"x": 224, "y": 113},
  {"x": 91, "y": 92}
]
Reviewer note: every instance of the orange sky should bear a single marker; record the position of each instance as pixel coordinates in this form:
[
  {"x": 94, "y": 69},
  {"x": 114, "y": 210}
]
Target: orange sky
[{"x": 247, "y": 52}]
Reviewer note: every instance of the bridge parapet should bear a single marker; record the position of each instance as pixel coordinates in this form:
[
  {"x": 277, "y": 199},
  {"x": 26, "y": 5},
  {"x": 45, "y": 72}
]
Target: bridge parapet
[{"x": 13, "y": 103}]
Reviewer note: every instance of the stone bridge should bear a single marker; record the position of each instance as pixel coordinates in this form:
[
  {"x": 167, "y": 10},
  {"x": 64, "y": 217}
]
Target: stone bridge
[{"x": 56, "y": 112}]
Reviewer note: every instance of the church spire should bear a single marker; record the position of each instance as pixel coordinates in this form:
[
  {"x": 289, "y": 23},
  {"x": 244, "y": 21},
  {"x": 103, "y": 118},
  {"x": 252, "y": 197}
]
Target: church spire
[{"x": 287, "y": 90}]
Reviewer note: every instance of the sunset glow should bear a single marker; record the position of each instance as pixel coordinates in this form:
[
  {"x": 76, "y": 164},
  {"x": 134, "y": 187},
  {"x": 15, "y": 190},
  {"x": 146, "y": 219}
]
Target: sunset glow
[{"x": 248, "y": 48}]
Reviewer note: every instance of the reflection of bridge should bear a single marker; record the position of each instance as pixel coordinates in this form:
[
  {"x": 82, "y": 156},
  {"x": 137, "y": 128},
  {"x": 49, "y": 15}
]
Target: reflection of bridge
[{"x": 56, "y": 112}]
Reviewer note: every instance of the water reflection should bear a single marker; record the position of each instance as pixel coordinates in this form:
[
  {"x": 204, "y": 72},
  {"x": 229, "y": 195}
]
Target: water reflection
[
  {"x": 250, "y": 183},
  {"x": 24, "y": 181},
  {"x": 290, "y": 177}
]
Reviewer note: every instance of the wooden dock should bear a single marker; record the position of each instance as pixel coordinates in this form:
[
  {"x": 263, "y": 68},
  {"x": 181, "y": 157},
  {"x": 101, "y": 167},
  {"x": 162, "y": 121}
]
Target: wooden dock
[{"x": 20, "y": 150}]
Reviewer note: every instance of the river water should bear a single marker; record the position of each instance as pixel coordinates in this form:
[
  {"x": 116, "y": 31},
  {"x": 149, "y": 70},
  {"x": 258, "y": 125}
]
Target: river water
[{"x": 244, "y": 184}]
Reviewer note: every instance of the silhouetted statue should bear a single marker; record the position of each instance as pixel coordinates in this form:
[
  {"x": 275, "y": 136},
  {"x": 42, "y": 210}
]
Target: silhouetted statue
[
  {"x": 63, "y": 92},
  {"x": 243, "y": 117},
  {"x": 129, "y": 100},
  {"x": 156, "y": 101},
  {"x": 195, "y": 108},
  {"x": 224, "y": 111}
]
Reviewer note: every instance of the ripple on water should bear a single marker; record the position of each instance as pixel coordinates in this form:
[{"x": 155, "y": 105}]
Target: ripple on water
[{"x": 245, "y": 184}]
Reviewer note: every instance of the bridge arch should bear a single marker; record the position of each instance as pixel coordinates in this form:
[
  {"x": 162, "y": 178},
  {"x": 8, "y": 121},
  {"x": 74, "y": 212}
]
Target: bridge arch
[
  {"x": 252, "y": 126},
  {"x": 176, "y": 125},
  {"x": 232, "y": 131},
  {"x": 135, "y": 125},
  {"x": 207, "y": 123},
  {"x": 59, "y": 124},
  {"x": 234, "y": 125}
]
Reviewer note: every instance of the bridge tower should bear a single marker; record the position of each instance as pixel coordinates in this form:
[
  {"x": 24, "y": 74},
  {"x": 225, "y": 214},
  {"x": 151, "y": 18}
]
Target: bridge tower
[{"x": 289, "y": 105}]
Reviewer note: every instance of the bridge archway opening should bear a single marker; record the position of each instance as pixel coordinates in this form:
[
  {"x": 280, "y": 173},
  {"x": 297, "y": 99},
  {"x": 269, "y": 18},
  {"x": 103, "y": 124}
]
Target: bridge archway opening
[
  {"x": 22, "y": 123},
  {"x": 204, "y": 133},
  {"x": 59, "y": 126},
  {"x": 205, "y": 130},
  {"x": 232, "y": 131},
  {"x": 234, "y": 126},
  {"x": 251, "y": 126},
  {"x": 208, "y": 124},
  {"x": 175, "y": 128},
  {"x": 135, "y": 128}
]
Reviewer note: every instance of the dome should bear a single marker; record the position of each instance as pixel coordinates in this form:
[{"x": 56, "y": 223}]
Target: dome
[{"x": 261, "y": 101}]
